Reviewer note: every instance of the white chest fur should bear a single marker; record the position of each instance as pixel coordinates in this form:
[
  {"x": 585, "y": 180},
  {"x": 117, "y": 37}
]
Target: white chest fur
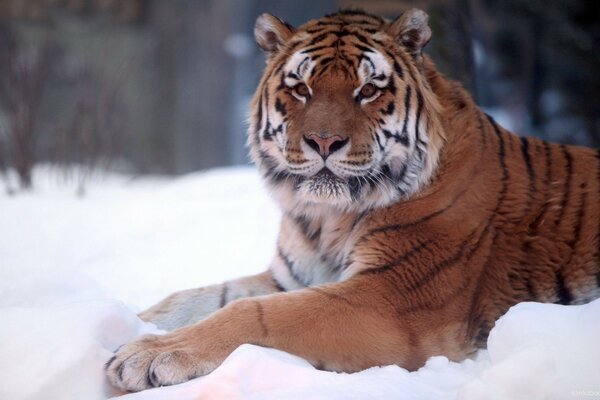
[{"x": 313, "y": 249}]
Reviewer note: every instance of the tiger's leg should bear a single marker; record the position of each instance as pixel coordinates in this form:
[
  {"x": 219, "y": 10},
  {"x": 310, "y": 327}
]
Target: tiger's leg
[
  {"x": 346, "y": 326},
  {"x": 190, "y": 306}
]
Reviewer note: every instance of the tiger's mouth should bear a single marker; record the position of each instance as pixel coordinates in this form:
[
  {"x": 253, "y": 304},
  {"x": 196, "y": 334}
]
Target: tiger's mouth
[
  {"x": 326, "y": 187},
  {"x": 326, "y": 176}
]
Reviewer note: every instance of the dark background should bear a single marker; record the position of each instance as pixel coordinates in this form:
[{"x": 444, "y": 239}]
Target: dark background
[{"x": 163, "y": 87}]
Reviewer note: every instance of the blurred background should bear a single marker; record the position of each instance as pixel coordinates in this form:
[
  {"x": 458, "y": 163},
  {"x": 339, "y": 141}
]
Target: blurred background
[{"x": 162, "y": 87}]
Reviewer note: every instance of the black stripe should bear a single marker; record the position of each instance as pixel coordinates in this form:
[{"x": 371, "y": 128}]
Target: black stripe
[
  {"x": 361, "y": 38},
  {"x": 121, "y": 368},
  {"x": 276, "y": 283},
  {"x": 531, "y": 176},
  {"x": 259, "y": 119},
  {"x": 406, "y": 109},
  {"x": 304, "y": 225},
  {"x": 278, "y": 69},
  {"x": 523, "y": 278},
  {"x": 109, "y": 362},
  {"x": 528, "y": 164},
  {"x": 299, "y": 67},
  {"x": 397, "y": 68},
  {"x": 261, "y": 318},
  {"x": 319, "y": 38},
  {"x": 502, "y": 160},
  {"x": 331, "y": 296},
  {"x": 399, "y": 137},
  {"x": 280, "y": 107},
  {"x": 417, "y": 120},
  {"x": 290, "y": 266},
  {"x": 224, "y": 292},
  {"x": 326, "y": 61},
  {"x": 529, "y": 287},
  {"x": 330, "y": 24},
  {"x": 399, "y": 260},
  {"x": 369, "y": 61},
  {"x": 391, "y": 86},
  {"x": 397, "y": 227},
  {"x": 379, "y": 142},
  {"x": 567, "y": 187},
  {"x": 563, "y": 293},
  {"x": 267, "y": 121},
  {"x": 364, "y": 49},
  {"x": 481, "y": 129},
  {"x": 324, "y": 26},
  {"x": 409, "y": 67},
  {"x": 314, "y": 48}
]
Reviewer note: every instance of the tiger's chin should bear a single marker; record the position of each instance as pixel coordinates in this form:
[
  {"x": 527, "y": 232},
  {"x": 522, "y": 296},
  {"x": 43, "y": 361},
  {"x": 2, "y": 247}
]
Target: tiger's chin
[{"x": 326, "y": 188}]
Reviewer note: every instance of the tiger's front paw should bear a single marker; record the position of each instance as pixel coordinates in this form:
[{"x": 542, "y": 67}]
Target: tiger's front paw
[{"x": 153, "y": 361}]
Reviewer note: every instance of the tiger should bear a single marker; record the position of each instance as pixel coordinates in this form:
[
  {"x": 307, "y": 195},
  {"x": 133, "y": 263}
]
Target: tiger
[{"x": 411, "y": 220}]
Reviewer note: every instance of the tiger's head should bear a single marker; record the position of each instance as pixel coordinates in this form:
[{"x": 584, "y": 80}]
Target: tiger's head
[{"x": 343, "y": 115}]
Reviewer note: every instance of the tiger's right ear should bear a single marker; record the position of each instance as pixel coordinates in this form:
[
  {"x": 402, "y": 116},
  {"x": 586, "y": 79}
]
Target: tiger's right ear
[
  {"x": 412, "y": 31},
  {"x": 271, "y": 33}
]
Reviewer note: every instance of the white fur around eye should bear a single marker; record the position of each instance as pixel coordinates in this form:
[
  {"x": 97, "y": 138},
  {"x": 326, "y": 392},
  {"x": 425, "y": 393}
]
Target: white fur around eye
[
  {"x": 299, "y": 96},
  {"x": 370, "y": 99}
]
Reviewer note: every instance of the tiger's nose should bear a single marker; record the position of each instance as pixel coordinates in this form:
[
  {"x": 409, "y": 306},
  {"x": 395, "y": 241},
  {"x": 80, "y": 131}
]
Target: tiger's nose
[{"x": 325, "y": 145}]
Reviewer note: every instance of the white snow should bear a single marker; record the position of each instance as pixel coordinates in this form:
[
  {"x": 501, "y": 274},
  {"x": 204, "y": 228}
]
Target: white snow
[{"x": 74, "y": 271}]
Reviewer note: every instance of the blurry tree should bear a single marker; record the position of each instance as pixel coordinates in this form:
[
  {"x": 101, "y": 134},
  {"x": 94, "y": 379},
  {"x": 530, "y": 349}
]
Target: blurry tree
[
  {"x": 89, "y": 138},
  {"x": 557, "y": 42},
  {"x": 22, "y": 87}
]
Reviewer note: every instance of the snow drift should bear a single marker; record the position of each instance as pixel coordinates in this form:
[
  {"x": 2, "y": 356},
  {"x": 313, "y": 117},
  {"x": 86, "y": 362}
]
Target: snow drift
[{"x": 74, "y": 272}]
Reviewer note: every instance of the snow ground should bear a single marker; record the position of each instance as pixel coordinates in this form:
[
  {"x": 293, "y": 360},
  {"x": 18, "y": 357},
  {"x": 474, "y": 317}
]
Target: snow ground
[{"x": 74, "y": 272}]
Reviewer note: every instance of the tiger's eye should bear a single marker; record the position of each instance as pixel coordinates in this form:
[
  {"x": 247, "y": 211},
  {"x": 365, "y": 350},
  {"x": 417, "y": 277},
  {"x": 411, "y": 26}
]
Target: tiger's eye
[
  {"x": 302, "y": 90},
  {"x": 368, "y": 91}
]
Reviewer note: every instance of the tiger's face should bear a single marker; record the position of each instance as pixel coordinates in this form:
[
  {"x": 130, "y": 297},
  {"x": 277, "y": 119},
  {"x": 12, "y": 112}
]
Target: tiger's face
[{"x": 342, "y": 116}]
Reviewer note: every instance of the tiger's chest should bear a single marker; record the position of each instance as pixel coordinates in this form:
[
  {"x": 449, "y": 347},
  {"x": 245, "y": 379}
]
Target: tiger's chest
[{"x": 319, "y": 245}]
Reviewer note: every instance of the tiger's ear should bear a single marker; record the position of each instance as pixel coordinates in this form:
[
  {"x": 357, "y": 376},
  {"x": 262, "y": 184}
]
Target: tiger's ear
[
  {"x": 271, "y": 33},
  {"x": 411, "y": 31}
]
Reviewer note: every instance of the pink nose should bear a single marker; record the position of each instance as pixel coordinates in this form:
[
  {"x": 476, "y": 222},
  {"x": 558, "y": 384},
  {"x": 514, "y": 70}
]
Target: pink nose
[{"x": 325, "y": 145}]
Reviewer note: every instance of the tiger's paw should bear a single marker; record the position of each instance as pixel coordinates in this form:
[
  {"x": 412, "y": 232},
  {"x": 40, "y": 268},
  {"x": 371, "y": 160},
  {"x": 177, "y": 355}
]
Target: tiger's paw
[{"x": 153, "y": 361}]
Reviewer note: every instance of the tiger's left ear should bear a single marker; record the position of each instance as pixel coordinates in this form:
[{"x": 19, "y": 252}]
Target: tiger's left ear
[
  {"x": 271, "y": 33},
  {"x": 411, "y": 31}
]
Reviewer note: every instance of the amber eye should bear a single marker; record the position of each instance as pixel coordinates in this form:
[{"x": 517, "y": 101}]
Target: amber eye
[
  {"x": 301, "y": 90},
  {"x": 368, "y": 91}
]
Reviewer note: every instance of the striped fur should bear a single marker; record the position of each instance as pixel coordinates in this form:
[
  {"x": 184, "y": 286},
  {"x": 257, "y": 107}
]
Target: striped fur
[{"x": 431, "y": 223}]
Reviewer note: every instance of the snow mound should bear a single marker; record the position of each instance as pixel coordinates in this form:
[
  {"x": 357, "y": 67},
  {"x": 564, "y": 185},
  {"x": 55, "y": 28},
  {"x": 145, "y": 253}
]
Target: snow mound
[
  {"x": 64, "y": 262},
  {"x": 59, "y": 352},
  {"x": 541, "y": 351}
]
